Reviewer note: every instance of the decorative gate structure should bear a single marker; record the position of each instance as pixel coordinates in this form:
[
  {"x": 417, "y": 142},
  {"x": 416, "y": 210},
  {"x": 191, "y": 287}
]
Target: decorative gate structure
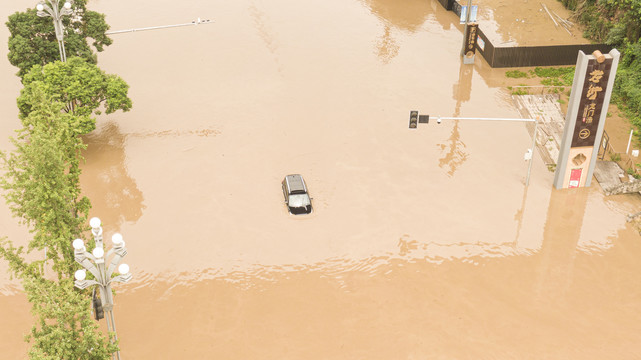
[{"x": 585, "y": 119}]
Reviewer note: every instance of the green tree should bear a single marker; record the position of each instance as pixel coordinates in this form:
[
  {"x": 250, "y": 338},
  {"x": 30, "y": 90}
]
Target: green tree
[
  {"x": 42, "y": 179},
  {"x": 41, "y": 184},
  {"x": 32, "y": 39},
  {"x": 81, "y": 86}
]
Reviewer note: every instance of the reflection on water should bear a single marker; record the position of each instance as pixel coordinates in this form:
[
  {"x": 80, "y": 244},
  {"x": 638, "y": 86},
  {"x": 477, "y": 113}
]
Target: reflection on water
[
  {"x": 408, "y": 15},
  {"x": 561, "y": 236},
  {"x": 400, "y": 259},
  {"x": 105, "y": 180},
  {"x": 261, "y": 24},
  {"x": 455, "y": 154},
  {"x": 462, "y": 90},
  {"x": 387, "y": 46},
  {"x": 397, "y": 15},
  {"x": 389, "y": 308},
  {"x": 467, "y": 300}
]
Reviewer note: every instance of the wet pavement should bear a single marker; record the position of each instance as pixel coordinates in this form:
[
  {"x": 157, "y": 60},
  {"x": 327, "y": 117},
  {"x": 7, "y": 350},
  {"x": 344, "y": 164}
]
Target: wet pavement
[
  {"x": 423, "y": 243},
  {"x": 527, "y": 23}
]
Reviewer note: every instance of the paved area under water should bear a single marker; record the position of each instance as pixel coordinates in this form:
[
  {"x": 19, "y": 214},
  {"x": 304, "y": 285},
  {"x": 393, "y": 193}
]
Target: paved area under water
[{"x": 423, "y": 243}]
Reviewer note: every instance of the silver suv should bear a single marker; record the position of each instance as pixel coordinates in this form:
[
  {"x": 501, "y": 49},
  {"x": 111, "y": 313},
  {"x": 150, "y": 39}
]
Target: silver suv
[{"x": 296, "y": 195}]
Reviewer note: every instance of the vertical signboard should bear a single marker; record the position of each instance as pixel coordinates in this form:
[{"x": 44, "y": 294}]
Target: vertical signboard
[
  {"x": 591, "y": 102},
  {"x": 585, "y": 119},
  {"x": 470, "y": 43}
]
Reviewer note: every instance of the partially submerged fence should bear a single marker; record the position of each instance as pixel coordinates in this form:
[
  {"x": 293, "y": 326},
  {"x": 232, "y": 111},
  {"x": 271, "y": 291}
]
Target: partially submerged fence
[{"x": 519, "y": 56}]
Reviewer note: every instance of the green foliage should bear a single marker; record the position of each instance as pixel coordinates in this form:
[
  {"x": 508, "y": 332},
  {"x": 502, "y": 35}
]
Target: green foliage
[
  {"x": 32, "y": 39},
  {"x": 570, "y": 4},
  {"x": 516, "y": 74},
  {"x": 66, "y": 329},
  {"x": 556, "y": 76},
  {"x": 42, "y": 180},
  {"x": 41, "y": 186},
  {"x": 80, "y": 85},
  {"x": 615, "y": 157},
  {"x": 554, "y": 72},
  {"x": 627, "y": 86}
]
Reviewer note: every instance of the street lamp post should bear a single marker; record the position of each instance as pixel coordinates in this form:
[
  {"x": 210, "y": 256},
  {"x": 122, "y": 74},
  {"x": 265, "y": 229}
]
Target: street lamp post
[
  {"x": 96, "y": 263},
  {"x": 56, "y": 12}
]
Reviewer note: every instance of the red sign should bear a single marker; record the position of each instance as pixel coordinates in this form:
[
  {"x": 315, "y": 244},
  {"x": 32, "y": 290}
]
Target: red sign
[{"x": 575, "y": 178}]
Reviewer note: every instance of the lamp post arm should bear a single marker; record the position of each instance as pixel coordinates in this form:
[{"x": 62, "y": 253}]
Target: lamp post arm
[
  {"x": 92, "y": 282},
  {"x": 121, "y": 278},
  {"x": 90, "y": 266},
  {"x": 47, "y": 11},
  {"x": 119, "y": 250},
  {"x": 114, "y": 263}
]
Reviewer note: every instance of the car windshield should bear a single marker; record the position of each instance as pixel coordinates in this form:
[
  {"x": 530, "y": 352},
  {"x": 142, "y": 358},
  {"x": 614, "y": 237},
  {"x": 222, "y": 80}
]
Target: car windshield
[{"x": 298, "y": 201}]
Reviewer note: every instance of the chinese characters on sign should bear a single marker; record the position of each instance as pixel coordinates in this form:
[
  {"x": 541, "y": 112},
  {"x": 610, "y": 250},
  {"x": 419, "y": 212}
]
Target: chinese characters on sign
[
  {"x": 470, "y": 39},
  {"x": 591, "y": 103}
]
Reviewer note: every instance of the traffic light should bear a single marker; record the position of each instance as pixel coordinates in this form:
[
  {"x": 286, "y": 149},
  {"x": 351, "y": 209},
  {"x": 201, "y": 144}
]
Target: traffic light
[
  {"x": 98, "y": 312},
  {"x": 413, "y": 119}
]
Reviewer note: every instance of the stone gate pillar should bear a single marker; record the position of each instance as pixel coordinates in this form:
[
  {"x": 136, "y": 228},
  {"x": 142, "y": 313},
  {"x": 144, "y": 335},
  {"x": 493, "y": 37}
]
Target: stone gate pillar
[{"x": 585, "y": 119}]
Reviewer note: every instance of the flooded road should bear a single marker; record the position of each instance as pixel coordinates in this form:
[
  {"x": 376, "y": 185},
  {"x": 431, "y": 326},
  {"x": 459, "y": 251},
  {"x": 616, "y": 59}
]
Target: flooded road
[{"x": 423, "y": 243}]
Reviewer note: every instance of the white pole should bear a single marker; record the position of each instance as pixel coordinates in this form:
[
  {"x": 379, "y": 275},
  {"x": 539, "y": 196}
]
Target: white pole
[
  {"x": 529, "y": 167},
  {"x": 487, "y": 119},
  {"x": 629, "y": 141},
  {"x": 199, "y": 21}
]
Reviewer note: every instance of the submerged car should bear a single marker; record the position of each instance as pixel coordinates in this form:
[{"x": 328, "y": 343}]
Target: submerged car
[{"x": 296, "y": 195}]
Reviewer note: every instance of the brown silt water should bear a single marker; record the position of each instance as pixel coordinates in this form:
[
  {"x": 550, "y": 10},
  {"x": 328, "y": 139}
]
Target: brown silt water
[{"x": 423, "y": 244}]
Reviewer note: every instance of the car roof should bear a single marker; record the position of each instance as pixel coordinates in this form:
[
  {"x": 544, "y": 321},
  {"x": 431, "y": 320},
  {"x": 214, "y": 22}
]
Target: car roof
[{"x": 296, "y": 183}]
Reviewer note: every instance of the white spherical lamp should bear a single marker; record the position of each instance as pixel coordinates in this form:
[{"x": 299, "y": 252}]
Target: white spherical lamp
[
  {"x": 123, "y": 269},
  {"x": 94, "y": 222},
  {"x": 80, "y": 275},
  {"x": 116, "y": 239},
  {"x": 67, "y": 5},
  {"x": 78, "y": 244},
  {"x": 40, "y": 7},
  {"x": 98, "y": 252}
]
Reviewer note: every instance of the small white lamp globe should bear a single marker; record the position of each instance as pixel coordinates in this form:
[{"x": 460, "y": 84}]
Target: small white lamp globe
[
  {"x": 78, "y": 244},
  {"x": 80, "y": 275},
  {"x": 98, "y": 252},
  {"x": 116, "y": 239},
  {"x": 40, "y": 7},
  {"x": 123, "y": 269},
  {"x": 67, "y": 5},
  {"x": 94, "y": 222}
]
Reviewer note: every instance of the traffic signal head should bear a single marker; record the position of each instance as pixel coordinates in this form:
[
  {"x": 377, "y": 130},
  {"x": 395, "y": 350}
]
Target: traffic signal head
[
  {"x": 98, "y": 312},
  {"x": 413, "y": 119}
]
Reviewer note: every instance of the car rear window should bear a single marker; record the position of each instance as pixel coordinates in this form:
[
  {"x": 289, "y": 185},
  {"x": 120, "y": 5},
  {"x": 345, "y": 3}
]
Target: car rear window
[{"x": 296, "y": 185}]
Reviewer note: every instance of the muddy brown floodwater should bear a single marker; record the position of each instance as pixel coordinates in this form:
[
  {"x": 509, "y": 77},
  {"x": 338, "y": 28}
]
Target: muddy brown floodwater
[{"x": 423, "y": 243}]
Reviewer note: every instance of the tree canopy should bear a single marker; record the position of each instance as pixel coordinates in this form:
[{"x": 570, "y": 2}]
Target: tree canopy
[
  {"x": 42, "y": 180},
  {"x": 32, "y": 39},
  {"x": 81, "y": 86},
  {"x": 42, "y": 188}
]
